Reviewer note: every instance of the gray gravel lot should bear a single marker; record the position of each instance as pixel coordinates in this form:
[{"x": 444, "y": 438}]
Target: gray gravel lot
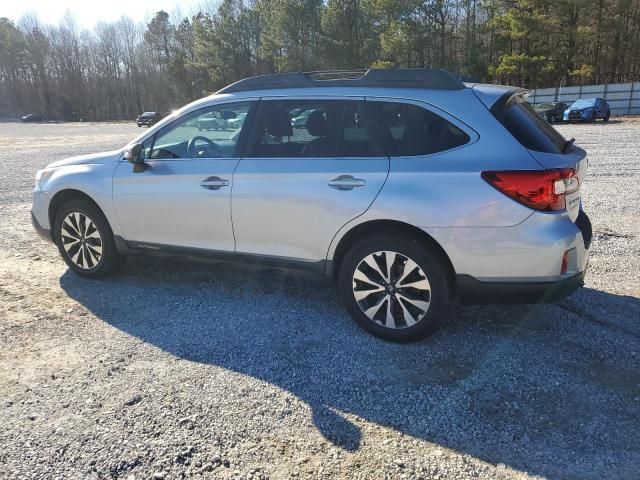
[{"x": 174, "y": 369}]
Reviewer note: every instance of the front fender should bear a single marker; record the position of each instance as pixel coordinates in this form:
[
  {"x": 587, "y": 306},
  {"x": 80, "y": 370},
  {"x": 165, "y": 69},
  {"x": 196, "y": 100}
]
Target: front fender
[{"x": 92, "y": 179}]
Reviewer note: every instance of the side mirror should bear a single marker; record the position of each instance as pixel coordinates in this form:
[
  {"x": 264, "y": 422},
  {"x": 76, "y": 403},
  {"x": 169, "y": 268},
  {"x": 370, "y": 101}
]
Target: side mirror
[{"x": 135, "y": 155}]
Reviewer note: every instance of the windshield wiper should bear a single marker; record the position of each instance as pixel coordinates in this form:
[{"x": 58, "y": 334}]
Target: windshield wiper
[{"x": 568, "y": 144}]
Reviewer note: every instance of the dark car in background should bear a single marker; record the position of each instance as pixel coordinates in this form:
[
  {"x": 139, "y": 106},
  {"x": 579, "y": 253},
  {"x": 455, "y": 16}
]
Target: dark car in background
[
  {"x": 587, "y": 110},
  {"x": 552, "y": 112},
  {"x": 33, "y": 117},
  {"x": 148, "y": 119}
]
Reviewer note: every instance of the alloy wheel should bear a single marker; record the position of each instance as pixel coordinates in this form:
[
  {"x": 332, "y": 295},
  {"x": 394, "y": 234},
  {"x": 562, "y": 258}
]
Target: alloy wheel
[
  {"x": 81, "y": 240},
  {"x": 391, "y": 289}
]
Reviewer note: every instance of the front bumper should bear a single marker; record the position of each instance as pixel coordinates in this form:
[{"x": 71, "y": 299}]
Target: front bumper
[{"x": 43, "y": 232}]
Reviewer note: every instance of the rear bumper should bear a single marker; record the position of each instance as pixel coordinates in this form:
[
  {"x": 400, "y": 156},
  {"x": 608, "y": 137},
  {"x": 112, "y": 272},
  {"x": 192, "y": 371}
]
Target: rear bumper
[
  {"x": 43, "y": 232},
  {"x": 472, "y": 291},
  {"x": 475, "y": 292}
]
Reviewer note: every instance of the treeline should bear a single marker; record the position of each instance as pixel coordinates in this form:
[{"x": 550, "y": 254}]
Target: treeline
[{"x": 122, "y": 68}]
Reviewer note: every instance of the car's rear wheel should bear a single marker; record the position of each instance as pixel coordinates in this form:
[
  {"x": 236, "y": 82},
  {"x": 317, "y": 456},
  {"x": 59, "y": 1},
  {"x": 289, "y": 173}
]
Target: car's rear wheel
[
  {"x": 607, "y": 117},
  {"x": 85, "y": 240},
  {"x": 395, "y": 287}
]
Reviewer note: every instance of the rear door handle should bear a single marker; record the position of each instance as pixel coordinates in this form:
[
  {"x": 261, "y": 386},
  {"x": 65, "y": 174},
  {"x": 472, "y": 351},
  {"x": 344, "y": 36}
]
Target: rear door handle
[
  {"x": 214, "y": 183},
  {"x": 346, "y": 182}
]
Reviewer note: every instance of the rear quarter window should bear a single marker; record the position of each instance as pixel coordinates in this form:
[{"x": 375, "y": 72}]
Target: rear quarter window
[
  {"x": 529, "y": 128},
  {"x": 409, "y": 130}
]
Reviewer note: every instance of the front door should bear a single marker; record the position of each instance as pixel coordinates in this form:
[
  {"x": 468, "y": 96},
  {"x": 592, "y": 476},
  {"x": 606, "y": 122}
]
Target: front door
[
  {"x": 312, "y": 165},
  {"x": 183, "y": 198}
]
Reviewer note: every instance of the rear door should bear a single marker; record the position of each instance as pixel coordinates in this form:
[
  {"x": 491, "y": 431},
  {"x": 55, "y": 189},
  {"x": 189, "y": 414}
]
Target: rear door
[{"x": 312, "y": 165}]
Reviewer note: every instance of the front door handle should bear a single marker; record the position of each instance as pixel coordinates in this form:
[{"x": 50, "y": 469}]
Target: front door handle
[
  {"x": 346, "y": 182},
  {"x": 214, "y": 183}
]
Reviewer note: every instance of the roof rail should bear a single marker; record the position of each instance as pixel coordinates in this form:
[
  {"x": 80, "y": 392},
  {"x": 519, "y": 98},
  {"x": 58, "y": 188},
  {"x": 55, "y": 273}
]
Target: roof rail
[{"x": 388, "y": 77}]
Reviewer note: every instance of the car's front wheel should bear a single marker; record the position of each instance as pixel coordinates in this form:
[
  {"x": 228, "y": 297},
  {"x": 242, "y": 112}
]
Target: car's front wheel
[
  {"x": 85, "y": 240},
  {"x": 395, "y": 287}
]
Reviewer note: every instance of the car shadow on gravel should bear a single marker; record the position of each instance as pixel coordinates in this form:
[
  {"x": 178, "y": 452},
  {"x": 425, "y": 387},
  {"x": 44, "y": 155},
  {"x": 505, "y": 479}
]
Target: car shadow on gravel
[{"x": 518, "y": 385}]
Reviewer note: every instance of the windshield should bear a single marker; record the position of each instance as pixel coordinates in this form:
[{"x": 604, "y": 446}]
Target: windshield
[
  {"x": 148, "y": 114},
  {"x": 584, "y": 103},
  {"x": 545, "y": 105}
]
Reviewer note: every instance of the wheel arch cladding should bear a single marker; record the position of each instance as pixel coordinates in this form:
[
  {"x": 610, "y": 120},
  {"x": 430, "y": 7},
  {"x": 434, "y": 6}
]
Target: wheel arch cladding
[
  {"x": 62, "y": 197},
  {"x": 374, "y": 227}
]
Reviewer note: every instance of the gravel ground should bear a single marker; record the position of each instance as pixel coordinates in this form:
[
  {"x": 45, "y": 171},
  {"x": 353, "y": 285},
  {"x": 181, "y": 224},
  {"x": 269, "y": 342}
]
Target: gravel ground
[{"x": 174, "y": 369}]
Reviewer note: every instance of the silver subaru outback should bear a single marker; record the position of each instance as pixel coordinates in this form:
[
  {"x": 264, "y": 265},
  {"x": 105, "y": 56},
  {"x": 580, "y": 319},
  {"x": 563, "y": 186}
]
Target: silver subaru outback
[{"x": 406, "y": 186}]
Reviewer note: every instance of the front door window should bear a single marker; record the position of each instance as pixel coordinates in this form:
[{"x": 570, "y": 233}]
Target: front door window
[{"x": 212, "y": 132}]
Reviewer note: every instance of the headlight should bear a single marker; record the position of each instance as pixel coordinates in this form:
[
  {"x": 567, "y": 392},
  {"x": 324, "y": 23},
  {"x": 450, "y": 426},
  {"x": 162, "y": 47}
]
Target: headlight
[{"x": 41, "y": 177}]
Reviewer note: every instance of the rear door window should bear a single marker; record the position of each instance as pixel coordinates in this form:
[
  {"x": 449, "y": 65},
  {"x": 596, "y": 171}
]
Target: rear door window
[
  {"x": 409, "y": 130},
  {"x": 313, "y": 128},
  {"x": 530, "y": 129}
]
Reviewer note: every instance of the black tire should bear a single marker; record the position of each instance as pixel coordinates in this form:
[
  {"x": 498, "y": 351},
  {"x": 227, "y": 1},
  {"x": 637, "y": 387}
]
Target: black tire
[
  {"x": 430, "y": 264},
  {"x": 607, "y": 117},
  {"x": 109, "y": 260}
]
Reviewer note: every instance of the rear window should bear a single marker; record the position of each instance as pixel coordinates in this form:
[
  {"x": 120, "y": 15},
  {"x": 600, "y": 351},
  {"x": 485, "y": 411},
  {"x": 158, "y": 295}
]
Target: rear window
[{"x": 530, "y": 129}]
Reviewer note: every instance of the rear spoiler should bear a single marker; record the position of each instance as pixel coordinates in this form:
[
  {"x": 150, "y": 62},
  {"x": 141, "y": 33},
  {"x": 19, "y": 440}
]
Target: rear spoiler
[
  {"x": 497, "y": 97},
  {"x": 505, "y": 101}
]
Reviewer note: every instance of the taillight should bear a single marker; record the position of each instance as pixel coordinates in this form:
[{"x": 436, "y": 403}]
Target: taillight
[{"x": 543, "y": 190}]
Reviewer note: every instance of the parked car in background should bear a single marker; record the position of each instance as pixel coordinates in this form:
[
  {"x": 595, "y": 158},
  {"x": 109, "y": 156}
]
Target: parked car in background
[
  {"x": 211, "y": 122},
  {"x": 235, "y": 123},
  {"x": 148, "y": 119},
  {"x": 587, "y": 110},
  {"x": 552, "y": 112},
  {"x": 33, "y": 117},
  {"x": 407, "y": 187}
]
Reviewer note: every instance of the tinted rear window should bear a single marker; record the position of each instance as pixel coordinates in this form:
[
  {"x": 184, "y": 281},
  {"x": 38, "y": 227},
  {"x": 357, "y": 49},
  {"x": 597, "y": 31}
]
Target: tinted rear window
[{"x": 530, "y": 129}]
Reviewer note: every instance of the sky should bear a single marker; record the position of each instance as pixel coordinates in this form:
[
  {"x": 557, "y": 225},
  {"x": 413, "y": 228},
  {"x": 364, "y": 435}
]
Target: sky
[{"x": 88, "y": 12}]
